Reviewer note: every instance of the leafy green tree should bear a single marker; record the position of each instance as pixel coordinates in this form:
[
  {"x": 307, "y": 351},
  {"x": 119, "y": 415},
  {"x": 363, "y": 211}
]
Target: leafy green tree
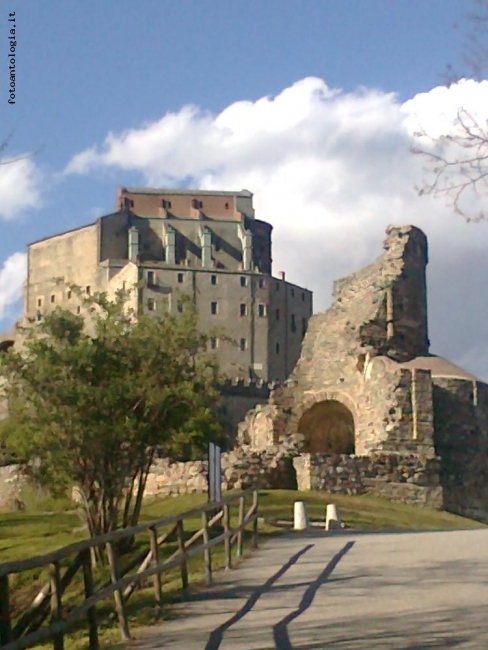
[{"x": 94, "y": 399}]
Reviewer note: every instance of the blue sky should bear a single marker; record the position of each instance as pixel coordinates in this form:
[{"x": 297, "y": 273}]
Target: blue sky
[{"x": 289, "y": 99}]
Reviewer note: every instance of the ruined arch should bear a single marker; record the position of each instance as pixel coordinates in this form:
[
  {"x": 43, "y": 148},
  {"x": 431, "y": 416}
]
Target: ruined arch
[{"x": 327, "y": 427}]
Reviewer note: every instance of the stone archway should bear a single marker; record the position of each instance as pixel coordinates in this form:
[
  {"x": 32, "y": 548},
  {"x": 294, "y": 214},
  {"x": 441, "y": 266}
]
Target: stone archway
[{"x": 328, "y": 428}]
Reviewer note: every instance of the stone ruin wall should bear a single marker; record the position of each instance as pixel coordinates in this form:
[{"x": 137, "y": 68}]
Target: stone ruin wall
[
  {"x": 461, "y": 440},
  {"x": 353, "y": 354}
]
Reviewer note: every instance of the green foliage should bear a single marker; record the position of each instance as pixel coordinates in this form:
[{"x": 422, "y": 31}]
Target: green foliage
[{"x": 93, "y": 399}]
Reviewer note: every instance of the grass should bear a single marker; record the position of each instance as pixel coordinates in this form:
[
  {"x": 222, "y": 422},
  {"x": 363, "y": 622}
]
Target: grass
[{"x": 31, "y": 533}]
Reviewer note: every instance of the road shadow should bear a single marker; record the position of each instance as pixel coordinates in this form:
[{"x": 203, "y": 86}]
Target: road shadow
[
  {"x": 216, "y": 636},
  {"x": 280, "y": 630}
]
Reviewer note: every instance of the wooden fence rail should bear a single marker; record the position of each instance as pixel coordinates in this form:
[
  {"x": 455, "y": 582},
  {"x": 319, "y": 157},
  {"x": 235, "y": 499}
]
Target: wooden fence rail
[{"x": 28, "y": 629}]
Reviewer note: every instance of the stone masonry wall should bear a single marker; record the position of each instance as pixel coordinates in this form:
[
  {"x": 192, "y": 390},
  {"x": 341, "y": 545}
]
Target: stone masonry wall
[
  {"x": 353, "y": 353},
  {"x": 461, "y": 440},
  {"x": 241, "y": 468},
  {"x": 400, "y": 477}
]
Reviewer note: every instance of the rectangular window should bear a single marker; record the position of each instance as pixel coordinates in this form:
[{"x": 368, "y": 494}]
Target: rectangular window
[
  {"x": 198, "y": 205},
  {"x": 304, "y": 326},
  {"x": 68, "y": 294},
  {"x": 303, "y": 296},
  {"x": 151, "y": 304},
  {"x": 277, "y": 314},
  {"x": 277, "y": 286},
  {"x": 214, "y": 342},
  {"x": 166, "y": 204},
  {"x": 226, "y": 206},
  {"x": 213, "y": 308},
  {"x": 293, "y": 324},
  {"x": 243, "y": 281},
  {"x": 243, "y": 309},
  {"x": 243, "y": 344},
  {"x": 151, "y": 278},
  {"x": 213, "y": 279},
  {"x": 39, "y": 302},
  {"x": 88, "y": 289},
  {"x": 293, "y": 293},
  {"x": 180, "y": 277},
  {"x": 53, "y": 298},
  {"x": 38, "y": 316},
  {"x": 262, "y": 283},
  {"x": 277, "y": 348},
  {"x": 261, "y": 311}
]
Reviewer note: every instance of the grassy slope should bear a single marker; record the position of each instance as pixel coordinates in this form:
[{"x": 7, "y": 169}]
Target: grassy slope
[{"x": 24, "y": 534}]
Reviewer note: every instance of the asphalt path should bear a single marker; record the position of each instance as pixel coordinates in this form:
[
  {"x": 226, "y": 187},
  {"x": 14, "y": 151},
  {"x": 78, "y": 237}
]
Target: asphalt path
[{"x": 305, "y": 591}]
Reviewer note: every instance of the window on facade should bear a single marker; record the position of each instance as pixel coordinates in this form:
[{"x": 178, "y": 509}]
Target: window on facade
[
  {"x": 166, "y": 204},
  {"x": 180, "y": 277},
  {"x": 151, "y": 280},
  {"x": 88, "y": 289},
  {"x": 243, "y": 309},
  {"x": 213, "y": 307},
  {"x": 68, "y": 294},
  {"x": 214, "y": 342},
  {"x": 226, "y": 206},
  {"x": 293, "y": 325},
  {"x": 243, "y": 344},
  {"x": 303, "y": 296},
  {"x": 293, "y": 293},
  {"x": 78, "y": 310},
  {"x": 151, "y": 305},
  {"x": 38, "y": 316},
  {"x": 243, "y": 281},
  {"x": 213, "y": 279},
  {"x": 277, "y": 286},
  {"x": 53, "y": 298},
  {"x": 277, "y": 348},
  {"x": 304, "y": 326},
  {"x": 277, "y": 315},
  {"x": 197, "y": 204},
  {"x": 261, "y": 311},
  {"x": 262, "y": 283},
  {"x": 39, "y": 302}
]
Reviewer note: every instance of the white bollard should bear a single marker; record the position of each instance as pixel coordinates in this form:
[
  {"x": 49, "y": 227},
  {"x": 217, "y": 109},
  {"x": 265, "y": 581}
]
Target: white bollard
[
  {"x": 300, "y": 515},
  {"x": 332, "y": 517}
]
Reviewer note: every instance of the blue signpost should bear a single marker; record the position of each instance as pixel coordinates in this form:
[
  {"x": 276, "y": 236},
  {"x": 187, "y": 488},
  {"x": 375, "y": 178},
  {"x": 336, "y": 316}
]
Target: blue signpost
[{"x": 214, "y": 473}]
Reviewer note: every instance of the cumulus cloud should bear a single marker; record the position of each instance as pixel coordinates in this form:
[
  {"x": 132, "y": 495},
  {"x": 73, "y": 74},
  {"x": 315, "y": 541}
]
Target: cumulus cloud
[
  {"x": 12, "y": 276},
  {"x": 330, "y": 170},
  {"x": 20, "y": 183}
]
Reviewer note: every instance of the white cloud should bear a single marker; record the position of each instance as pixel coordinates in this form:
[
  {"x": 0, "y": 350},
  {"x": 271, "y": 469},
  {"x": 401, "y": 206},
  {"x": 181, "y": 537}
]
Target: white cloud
[
  {"x": 20, "y": 185},
  {"x": 12, "y": 276},
  {"x": 330, "y": 170}
]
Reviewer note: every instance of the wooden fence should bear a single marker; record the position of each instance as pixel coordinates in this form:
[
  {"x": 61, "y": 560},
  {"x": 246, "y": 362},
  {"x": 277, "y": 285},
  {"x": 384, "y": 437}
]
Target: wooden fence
[{"x": 28, "y": 629}]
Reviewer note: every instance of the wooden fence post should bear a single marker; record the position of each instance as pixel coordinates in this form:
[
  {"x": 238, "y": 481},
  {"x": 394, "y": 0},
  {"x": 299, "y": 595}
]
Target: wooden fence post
[
  {"x": 207, "y": 552},
  {"x": 56, "y": 605},
  {"x": 158, "y": 589},
  {"x": 5, "y": 621},
  {"x": 181, "y": 547},
  {"x": 91, "y": 614},
  {"x": 255, "y": 522},
  {"x": 240, "y": 534},
  {"x": 119, "y": 601},
  {"x": 227, "y": 541}
]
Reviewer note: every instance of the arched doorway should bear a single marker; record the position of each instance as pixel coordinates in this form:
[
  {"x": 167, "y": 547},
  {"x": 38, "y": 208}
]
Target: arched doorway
[{"x": 328, "y": 428}]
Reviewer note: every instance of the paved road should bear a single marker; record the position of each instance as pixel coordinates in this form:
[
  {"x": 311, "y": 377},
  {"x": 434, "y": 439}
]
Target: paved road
[{"x": 307, "y": 591}]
